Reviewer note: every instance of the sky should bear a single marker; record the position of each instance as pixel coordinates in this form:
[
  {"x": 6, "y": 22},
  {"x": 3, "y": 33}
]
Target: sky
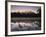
[{"x": 17, "y": 8}]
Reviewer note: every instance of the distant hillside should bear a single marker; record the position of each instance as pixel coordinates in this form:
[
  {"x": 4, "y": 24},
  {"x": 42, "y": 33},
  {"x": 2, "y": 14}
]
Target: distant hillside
[{"x": 14, "y": 14}]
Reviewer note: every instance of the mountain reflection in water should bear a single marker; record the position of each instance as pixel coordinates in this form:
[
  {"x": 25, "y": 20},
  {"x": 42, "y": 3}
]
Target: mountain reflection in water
[{"x": 25, "y": 26}]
